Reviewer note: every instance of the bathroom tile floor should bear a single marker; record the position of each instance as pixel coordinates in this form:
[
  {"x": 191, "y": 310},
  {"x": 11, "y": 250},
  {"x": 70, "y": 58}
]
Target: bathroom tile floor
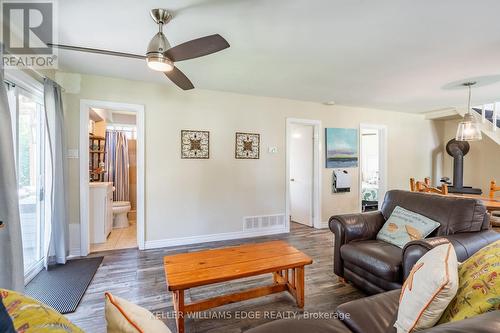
[{"x": 122, "y": 238}]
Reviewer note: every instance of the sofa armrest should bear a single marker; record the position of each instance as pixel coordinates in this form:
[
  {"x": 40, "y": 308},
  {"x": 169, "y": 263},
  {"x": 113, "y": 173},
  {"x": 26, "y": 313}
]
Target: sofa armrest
[
  {"x": 353, "y": 227},
  {"x": 361, "y": 226},
  {"x": 486, "y": 323},
  {"x": 465, "y": 244}
]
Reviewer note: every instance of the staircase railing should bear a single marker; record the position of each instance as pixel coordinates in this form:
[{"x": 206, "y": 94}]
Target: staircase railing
[
  {"x": 489, "y": 114},
  {"x": 490, "y": 119}
]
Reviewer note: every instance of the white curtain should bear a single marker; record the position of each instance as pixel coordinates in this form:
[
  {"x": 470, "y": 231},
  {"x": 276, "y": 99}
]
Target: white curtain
[
  {"x": 56, "y": 228},
  {"x": 11, "y": 250}
]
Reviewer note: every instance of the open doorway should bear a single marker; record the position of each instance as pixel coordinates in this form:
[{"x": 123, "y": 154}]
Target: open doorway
[
  {"x": 372, "y": 166},
  {"x": 113, "y": 179},
  {"x": 111, "y": 176},
  {"x": 303, "y": 171}
]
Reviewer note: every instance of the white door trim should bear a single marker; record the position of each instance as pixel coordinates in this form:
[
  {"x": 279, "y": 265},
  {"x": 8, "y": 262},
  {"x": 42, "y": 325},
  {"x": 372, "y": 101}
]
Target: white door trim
[
  {"x": 316, "y": 169},
  {"x": 85, "y": 105},
  {"x": 382, "y": 130}
]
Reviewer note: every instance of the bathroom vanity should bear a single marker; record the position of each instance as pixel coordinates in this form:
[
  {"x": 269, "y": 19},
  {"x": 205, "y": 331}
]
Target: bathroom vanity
[{"x": 100, "y": 211}]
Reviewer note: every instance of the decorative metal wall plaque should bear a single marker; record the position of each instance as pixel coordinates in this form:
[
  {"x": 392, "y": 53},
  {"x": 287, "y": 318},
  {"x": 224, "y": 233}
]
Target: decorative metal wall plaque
[
  {"x": 247, "y": 146},
  {"x": 195, "y": 144}
]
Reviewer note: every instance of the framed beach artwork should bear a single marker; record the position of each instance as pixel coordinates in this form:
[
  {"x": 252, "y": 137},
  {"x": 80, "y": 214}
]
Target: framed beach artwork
[{"x": 341, "y": 147}]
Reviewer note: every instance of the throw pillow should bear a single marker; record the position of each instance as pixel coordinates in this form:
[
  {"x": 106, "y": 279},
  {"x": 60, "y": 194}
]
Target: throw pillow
[
  {"x": 125, "y": 317},
  {"x": 429, "y": 288},
  {"x": 404, "y": 226},
  {"x": 30, "y": 316},
  {"x": 479, "y": 286}
]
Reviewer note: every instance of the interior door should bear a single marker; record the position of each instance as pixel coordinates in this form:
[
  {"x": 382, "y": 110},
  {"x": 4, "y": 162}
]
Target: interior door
[{"x": 301, "y": 173}]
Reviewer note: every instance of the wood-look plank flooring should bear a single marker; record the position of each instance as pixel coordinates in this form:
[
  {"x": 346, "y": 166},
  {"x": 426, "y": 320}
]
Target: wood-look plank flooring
[{"x": 138, "y": 276}]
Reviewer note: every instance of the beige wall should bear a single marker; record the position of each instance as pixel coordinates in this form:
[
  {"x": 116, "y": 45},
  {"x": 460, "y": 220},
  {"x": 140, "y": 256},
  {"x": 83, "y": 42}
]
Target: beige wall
[
  {"x": 197, "y": 197},
  {"x": 481, "y": 164}
]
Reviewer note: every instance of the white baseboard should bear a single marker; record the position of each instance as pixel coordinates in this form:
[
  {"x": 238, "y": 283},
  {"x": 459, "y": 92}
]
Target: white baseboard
[
  {"x": 324, "y": 225},
  {"x": 154, "y": 244}
]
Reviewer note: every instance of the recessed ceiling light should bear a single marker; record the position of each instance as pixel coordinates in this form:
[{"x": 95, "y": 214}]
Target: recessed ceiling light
[{"x": 329, "y": 103}]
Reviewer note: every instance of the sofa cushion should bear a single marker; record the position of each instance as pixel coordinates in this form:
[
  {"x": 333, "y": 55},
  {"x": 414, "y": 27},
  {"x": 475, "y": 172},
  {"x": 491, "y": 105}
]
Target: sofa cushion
[
  {"x": 485, "y": 323},
  {"x": 429, "y": 288},
  {"x": 454, "y": 214},
  {"x": 479, "y": 286},
  {"x": 30, "y": 315},
  {"x": 374, "y": 314},
  {"x": 302, "y": 326},
  {"x": 404, "y": 226},
  {"x": 380, "y": 258}
]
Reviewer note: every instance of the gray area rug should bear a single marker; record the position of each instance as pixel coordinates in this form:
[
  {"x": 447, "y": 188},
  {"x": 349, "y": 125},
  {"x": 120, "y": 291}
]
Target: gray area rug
[{"x": 62, "y": 286}]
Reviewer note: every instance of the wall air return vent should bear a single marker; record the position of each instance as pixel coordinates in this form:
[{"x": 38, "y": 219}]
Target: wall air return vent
[{"x": 264, "y": 222}]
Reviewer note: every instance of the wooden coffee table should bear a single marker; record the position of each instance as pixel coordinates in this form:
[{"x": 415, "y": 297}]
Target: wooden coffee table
[{"x": 196, "y": 269}]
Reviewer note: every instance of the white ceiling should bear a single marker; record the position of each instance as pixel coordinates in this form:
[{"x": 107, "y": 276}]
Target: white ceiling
[{"x": 387, "y": 54}]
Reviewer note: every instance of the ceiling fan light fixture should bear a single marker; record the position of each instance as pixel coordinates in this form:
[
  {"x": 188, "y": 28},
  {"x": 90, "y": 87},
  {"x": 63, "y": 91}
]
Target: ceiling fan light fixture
[
  {"x": 159, "y": 63},
  {"x": 160, "y": 55},
  {"x": 155, "y": 57}
]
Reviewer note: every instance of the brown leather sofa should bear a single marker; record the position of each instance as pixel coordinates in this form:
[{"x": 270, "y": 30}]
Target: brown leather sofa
[
  {"x": 376, "y": 314},
  {"x": 375, "y": 266}
]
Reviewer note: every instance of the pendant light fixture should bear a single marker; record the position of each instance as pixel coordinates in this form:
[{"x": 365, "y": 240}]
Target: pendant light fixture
[{"x": 469, "y": 128}]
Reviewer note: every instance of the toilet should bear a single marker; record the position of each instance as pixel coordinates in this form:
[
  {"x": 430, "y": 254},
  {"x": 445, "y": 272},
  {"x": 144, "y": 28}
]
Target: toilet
[{"x": 120, "y": 211}]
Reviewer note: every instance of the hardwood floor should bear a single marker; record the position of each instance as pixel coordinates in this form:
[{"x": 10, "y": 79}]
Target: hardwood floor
[{"x": 138, "y": 277}]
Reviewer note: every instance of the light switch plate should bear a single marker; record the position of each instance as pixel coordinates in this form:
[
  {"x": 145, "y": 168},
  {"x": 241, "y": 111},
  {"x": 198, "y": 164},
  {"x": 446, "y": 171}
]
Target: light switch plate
[
  {"x": 273, "y": 150},
  {"x": 73, "y": 153}
]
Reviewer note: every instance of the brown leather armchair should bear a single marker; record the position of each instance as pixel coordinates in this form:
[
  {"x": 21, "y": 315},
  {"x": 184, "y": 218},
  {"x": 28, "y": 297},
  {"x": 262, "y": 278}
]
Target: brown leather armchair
[{"x": 376, "y": 266}]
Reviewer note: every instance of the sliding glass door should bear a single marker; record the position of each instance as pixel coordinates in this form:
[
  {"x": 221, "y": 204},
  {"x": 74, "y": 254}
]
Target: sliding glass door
[
  {"x": 31, "y": 174},
  {"x": 30, "y": 133}
]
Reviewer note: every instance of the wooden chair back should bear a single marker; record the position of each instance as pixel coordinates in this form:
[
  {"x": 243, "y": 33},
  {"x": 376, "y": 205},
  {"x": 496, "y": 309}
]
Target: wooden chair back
[
  {"x": 493, "y": 188},
  {"x": 413, "y": 185},
  {"x": 426, "y": 187}
]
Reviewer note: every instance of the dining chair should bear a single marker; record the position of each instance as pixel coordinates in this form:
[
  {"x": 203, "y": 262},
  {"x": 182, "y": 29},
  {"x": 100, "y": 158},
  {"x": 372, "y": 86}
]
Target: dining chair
[
  {"x": 493, "y": 188},
  {"x": 413, "y": 183},
  {"x": 426, "y": 187}
]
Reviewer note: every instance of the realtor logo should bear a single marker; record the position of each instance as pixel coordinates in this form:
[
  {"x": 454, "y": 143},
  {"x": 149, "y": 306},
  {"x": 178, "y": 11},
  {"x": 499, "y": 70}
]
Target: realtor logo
[{"x": 28, "y": 30}]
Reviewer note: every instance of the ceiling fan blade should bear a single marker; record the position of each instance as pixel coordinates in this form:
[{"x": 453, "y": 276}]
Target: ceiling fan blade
[
  {"x": 97, "y": 51},
  {"x": 197, "y": 48},
  {"x": 181, "y": 80}
]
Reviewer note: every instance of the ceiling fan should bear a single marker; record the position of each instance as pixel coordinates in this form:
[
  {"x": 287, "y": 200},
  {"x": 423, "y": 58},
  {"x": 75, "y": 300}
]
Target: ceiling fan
[{"x": 160, "y": 56}]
